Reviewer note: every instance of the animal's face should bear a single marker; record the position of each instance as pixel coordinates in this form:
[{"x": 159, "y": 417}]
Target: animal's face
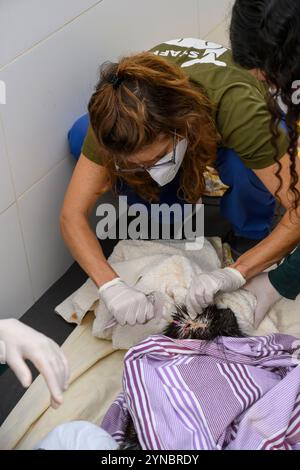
[{"x": 208, "y": 325}]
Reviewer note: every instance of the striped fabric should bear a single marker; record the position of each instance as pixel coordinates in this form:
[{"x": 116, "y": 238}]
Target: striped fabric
[{"x": 231, "y": 393}]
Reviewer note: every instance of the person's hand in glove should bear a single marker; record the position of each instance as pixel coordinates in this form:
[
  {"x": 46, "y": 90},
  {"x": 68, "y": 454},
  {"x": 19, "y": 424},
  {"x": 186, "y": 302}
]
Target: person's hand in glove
[
  {"x": 127, "y": 304},
  {"x": 19, "y": 342},
  {"x": 266, "y": 296},
  {"x": 205, "y": 286}
]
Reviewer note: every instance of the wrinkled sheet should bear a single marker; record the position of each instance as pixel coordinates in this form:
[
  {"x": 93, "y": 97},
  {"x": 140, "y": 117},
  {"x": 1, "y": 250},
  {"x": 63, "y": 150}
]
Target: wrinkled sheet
[{"x": 231, "y": 393}]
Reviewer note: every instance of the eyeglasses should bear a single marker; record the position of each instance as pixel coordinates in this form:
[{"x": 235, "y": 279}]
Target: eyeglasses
[{"x": 142, "y": 168}]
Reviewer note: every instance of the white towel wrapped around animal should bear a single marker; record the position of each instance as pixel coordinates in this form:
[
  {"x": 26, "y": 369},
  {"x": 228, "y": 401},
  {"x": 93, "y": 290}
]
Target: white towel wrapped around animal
[{"x": 168, "y": 267}]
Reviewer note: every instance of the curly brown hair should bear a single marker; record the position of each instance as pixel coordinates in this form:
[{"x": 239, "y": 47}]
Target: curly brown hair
[
  {"x": 154, "y": 98},
  {"x": 264, "y": 35}
]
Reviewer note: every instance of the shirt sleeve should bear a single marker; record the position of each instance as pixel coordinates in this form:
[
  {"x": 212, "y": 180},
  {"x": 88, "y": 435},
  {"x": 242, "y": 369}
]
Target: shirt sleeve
[
  {"x": 286, "y": 278},
  {"x": 243, "y": 120},
  {"x": 90, "y": 147}
]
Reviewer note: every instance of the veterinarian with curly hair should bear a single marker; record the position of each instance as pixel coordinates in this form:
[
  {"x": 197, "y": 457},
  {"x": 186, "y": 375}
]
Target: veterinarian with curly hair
[{"x": 158, "y": 119}]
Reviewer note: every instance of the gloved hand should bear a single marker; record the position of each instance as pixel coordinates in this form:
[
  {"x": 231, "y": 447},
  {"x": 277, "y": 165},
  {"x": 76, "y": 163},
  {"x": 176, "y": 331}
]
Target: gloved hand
[
  {"x": 19, "y": 342},
  {"x": 126, "y": 304},
  {"x": 205, "y": 286},
  {"x": 266, "y": 295}
]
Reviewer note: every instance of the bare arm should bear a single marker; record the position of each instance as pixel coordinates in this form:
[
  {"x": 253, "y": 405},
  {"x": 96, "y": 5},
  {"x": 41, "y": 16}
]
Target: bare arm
[
  {"x": 88, "y": 183},
  {"x": 285, "y": 237}
]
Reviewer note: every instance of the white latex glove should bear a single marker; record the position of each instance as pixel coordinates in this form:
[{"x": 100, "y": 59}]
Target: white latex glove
[
  {"x": 19, "y": 342},
  {"x": 205, "y": 286},
  {"x": 266, "y": 295},
  {"x": 78, "y": 435},
  {"x": 126, "y": 304}
]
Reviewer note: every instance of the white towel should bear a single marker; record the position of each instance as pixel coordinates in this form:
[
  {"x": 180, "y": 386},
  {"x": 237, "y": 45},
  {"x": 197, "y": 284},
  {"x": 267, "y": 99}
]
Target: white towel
[{"x": 168, "y": 267}]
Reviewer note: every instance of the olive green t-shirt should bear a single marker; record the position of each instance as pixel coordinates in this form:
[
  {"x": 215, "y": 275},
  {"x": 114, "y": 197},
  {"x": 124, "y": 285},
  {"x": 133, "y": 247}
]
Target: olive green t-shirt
[{"x": 239, "y": 100}]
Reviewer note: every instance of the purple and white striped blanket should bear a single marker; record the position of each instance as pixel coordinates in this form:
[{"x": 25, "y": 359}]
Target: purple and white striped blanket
[{"x": 237, "y": 393}]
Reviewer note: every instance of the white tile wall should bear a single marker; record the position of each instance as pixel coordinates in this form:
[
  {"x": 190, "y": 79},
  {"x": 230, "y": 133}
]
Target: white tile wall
[
  {"x": 134, "y": 25},
  {"x": 39, "y": 211},
  {"x": 211, "y": 13},
  {"x": 6, "y": 187},
  {"x": 45, "y": 92},
  {"x": 24, "y": 23},
  {"x": 49, "y": 57},
  {"x": 220, "y": 34},
  {"x": 15, "y": 288}
]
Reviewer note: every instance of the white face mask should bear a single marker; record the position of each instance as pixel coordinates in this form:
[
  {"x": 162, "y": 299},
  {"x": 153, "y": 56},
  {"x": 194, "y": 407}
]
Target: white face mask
[{"x": 165, "y": 174}]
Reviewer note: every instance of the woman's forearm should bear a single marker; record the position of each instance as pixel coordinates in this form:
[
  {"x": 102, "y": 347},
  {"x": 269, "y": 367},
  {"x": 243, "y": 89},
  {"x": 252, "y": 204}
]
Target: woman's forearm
[
  {"x": 282, "y": 241},
  {"x": 86, "y": 249}
]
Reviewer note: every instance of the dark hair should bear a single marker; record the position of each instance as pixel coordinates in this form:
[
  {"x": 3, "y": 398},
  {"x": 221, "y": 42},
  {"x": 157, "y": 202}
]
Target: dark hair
[
  {"x": 142, "y": 97},
  {"x": 265, "y": 35},
  {"x": 208, "y": 325}
]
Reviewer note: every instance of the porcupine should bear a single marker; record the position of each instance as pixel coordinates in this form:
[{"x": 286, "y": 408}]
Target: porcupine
[{"x": 212, "y": 323}]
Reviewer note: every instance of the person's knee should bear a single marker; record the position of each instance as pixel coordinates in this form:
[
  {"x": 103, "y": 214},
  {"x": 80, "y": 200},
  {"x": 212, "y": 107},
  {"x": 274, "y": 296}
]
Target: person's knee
[{"x": 76, "y": 135}]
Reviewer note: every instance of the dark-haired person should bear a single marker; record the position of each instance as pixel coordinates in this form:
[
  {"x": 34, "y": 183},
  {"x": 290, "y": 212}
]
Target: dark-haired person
[
  {"x": 265, "y": 40},
  {"x": 185, "y": 97}
]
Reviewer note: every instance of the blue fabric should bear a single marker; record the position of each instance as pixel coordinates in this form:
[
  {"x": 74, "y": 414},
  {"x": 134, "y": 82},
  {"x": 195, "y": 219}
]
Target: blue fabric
[
  {"x": 247, "y": 204},
  {"x": 76, "y": 135},
  {"x": 168, "y": 195}
]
